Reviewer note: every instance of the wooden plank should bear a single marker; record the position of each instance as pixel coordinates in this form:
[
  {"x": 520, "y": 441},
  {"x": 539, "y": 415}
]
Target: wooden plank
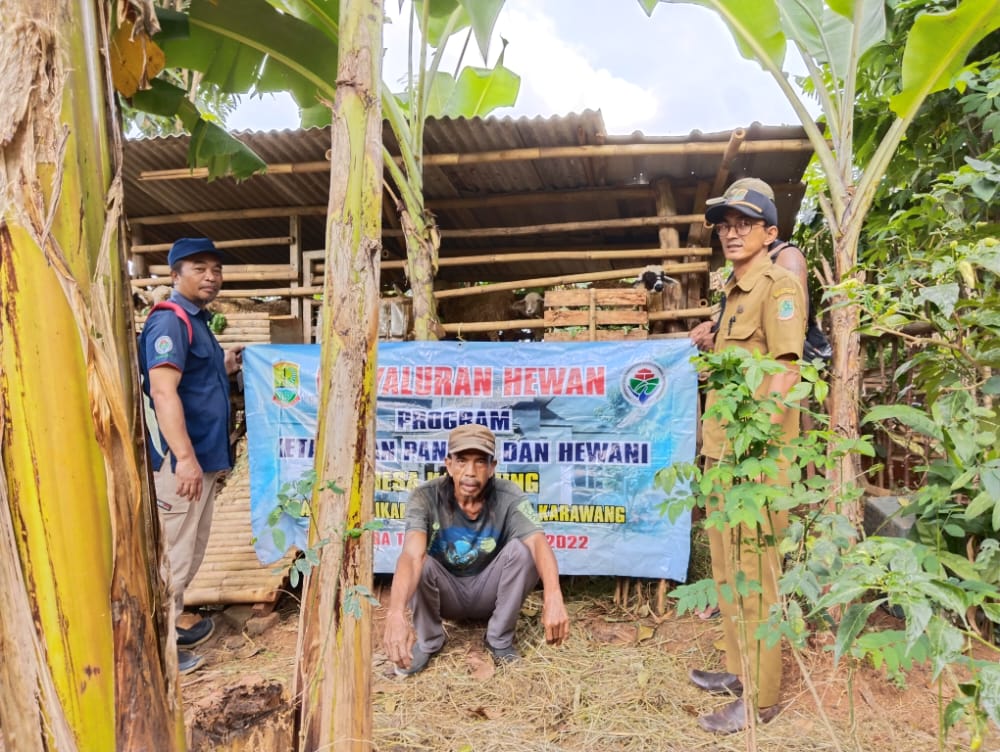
[
  {"x": 600, "y": 335},
  {"x": 599, "y": 317},
  {"x": 610, "y": 296}
]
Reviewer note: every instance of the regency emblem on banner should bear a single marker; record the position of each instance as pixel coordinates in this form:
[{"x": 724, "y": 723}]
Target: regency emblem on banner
[
  {"x": 643, "y": 383},
  {"x": 286, "y": 381}
]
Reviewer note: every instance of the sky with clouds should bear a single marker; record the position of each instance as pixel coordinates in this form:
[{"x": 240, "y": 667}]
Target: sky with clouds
[{"x": 668, "y": 74}]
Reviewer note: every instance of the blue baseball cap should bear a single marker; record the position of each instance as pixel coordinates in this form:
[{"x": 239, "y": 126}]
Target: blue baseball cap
[
  {"x": 748, "y": 202},
  {"x": 185, "y": 247}
]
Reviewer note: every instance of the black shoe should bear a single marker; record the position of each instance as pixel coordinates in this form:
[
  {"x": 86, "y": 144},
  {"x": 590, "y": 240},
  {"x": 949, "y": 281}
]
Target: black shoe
[
  {"x": 504, "y": 656},
  {"x": 733, "y": 717},
  {"x": 718, "y": 683},
  {"x": 196, "y": 635},
  {"x": 188, "y": 662}
]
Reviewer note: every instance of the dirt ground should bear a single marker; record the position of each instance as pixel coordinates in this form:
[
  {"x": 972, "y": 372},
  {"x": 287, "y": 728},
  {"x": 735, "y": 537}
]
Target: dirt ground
[{"x": 619, "y": 684}]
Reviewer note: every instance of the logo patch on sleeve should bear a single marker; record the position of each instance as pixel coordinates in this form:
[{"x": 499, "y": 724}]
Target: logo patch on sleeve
[
  {"x": 163, "y": 344},
  {"x": 786, "y": 309}
]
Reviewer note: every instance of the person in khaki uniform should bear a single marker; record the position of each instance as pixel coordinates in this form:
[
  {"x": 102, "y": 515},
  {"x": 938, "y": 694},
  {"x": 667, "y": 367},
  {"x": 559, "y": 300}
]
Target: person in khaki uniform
[{"x": 765, "y": 311}]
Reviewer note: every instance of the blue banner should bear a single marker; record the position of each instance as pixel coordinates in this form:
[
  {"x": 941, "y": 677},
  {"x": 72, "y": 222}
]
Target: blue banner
[{"x": 582, "y": 428}]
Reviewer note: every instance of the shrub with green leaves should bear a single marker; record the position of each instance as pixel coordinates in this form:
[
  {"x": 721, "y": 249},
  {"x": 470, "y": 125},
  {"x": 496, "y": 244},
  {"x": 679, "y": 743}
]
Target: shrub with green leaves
[
  {"x": 832, "y": 580},
  {"x": 293, "y": 501}
]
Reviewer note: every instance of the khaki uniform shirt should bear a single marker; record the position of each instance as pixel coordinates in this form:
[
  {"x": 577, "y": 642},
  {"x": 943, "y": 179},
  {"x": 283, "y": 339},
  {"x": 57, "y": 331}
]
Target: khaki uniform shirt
[{"x": 765, "y": 312}]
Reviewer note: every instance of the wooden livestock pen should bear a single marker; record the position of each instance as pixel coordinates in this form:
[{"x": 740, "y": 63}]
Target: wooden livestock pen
[{"x": 522, "y": 205}]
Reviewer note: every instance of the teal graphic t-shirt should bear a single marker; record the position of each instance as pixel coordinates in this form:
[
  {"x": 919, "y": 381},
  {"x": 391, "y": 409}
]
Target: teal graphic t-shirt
[{"x": 463, "y": 546}]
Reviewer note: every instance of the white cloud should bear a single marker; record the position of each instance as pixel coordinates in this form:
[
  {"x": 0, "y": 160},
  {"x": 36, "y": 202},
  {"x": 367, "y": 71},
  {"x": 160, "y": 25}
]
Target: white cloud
[
  {"x": 669, "y": 74},
  {"x": 558, "y": 77}
]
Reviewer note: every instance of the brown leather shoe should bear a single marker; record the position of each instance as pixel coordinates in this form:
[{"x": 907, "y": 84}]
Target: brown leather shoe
[
  {"x": 733, "y": 717},
  {"x": 717, "y": 682}
]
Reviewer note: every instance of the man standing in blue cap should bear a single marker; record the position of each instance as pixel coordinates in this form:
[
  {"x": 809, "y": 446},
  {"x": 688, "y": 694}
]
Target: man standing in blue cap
[{"x": 186, "y": 378}]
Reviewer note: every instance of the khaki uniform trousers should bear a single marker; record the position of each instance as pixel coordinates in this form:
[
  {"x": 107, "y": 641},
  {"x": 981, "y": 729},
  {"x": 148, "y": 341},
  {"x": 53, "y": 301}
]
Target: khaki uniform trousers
[
  {"x": 759, "y": 562},
  {"x": 185, "y": 526}
]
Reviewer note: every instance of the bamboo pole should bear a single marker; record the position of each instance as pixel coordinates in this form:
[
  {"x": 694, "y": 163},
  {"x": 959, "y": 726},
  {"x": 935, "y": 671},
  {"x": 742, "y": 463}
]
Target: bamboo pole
[
  {"x": 242, "y": 243},
  {"x": 703, "y": 312},
  {"x": 571, "y": 255},
  {"x": 528, "y": 154},
  {"x": 661, "y": 597},
  {"x": 265, "y": 292},
  {"x": 533, "y": 198},
  {"x": 568, "y": 279},
  {"x": 264, "y": 212},
  {"x": 285, "y": 168},
  {"x": 558, "y": 227},
  {"x": 736, "y": 141},
  {"x": 491, "y": 326},
  {"x": 670, "y": 335},
  {"x": 295, "y": 258},
  {"x": 231, "y": 269},
  {"x": 698, "y": 231},
  {"x": 138, "y": 263},
  {"x": 282, "y": 276},
  {"x": 684, "y": 148}
]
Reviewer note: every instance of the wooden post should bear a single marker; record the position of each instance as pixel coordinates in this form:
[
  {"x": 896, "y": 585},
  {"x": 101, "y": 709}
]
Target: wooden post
[
  {"x": 295, "y": 259},
  {"x": 137, "y": 262},
  {"x": 670, "y": 297},
  {"x": 736, "y": 139}
]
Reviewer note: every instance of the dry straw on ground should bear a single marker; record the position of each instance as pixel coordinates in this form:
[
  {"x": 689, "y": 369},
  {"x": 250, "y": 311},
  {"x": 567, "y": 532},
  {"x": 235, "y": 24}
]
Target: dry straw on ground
[{"x": 621, "y": 683}]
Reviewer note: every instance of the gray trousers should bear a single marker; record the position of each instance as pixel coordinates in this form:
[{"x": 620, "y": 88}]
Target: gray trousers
[{"x": 496, "y": 594}]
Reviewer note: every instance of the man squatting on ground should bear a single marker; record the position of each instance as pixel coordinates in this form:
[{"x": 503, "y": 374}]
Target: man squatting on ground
[
  {"x": 473, "y": 549},
  {"x": 765, "y": 312},
  {"x": 186, "y": 377}
]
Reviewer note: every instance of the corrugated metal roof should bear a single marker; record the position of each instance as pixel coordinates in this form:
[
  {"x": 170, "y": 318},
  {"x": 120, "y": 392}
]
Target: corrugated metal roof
[{"x": 491, "y": 185}]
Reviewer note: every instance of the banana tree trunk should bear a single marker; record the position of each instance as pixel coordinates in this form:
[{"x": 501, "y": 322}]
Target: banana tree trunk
[
  {"x": 333, "y": 676},
  {"x": 78, "y": 549},
  {"x": 422, "y": 241},
  {"x": 846, "y": 368}
]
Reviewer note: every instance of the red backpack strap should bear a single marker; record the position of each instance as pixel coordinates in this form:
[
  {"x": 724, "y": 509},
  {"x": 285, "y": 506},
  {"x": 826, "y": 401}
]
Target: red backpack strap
[{"x": 169, "y": 305}]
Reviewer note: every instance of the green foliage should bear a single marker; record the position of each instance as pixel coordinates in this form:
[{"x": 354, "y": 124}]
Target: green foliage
[
  {"x": 937, "y": 47},
  {"x": 943, "y": 304},
  {"x": 753, "y": 457},
  {"x": 827, "y": 569},
  {"x": 243, "y": 46},
  {"x": 263, "y": 46},
  {"x": 211, "y": 146},
  {"x": 218, "y": 323},
  {"x": 294, "y": 500},
  {"x": 354, "y": 596}
]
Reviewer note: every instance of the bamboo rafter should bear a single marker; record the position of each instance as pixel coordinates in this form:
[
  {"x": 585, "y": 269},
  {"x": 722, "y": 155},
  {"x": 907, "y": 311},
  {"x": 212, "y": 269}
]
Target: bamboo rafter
[
  {"x": 514, "y": 258},
  {"x": 561, "y": 227},
  {"x": 568, "y": 279},
  {"x": 529, "y": 154},
  {"x": 242, "y": 243}
]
